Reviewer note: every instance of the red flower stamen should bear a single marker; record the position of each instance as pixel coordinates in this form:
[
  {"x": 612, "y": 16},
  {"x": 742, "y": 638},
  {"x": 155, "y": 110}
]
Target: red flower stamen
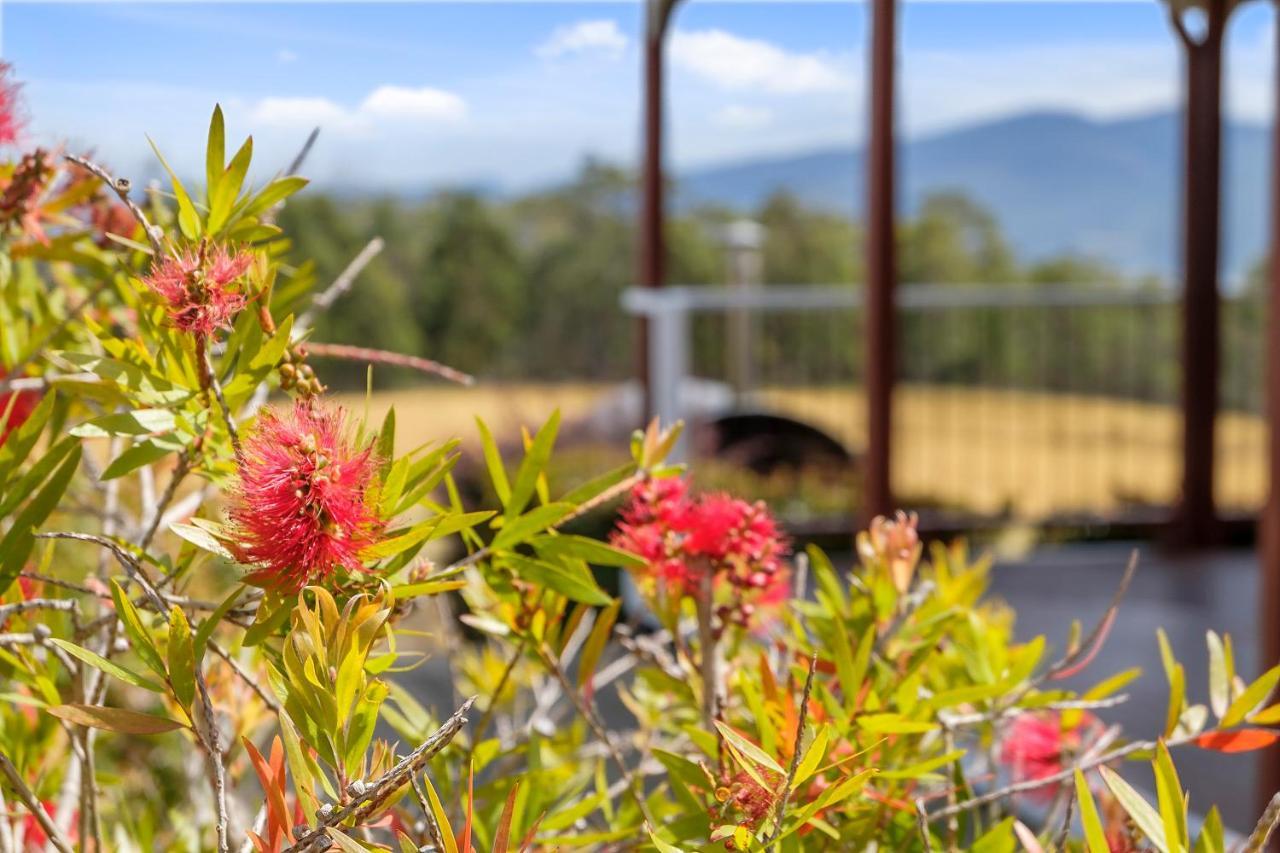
[
  {"x": 197, "y": 286},
  {"x": 303, "y": 505}
]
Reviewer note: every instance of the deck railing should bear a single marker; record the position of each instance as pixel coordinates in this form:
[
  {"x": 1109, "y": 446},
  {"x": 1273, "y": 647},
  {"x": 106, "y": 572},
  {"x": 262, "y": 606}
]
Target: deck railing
[{"x": 1027, "y": 402}]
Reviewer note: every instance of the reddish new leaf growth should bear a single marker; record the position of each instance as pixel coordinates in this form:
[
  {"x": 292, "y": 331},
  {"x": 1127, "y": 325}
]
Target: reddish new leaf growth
[
  {"x": 1239, "y": 740},
  {"x": 303, "y": 505},
  {"x": 198, "y": 287},
  {"x": 10, "y": 106},
  {"x": 23, "y": 404},
  {"x": 683, "y": 537}
]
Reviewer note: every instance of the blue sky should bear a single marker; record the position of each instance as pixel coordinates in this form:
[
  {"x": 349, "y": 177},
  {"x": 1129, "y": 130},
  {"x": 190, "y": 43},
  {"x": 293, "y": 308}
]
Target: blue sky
[{"x": 516, "y": 94}]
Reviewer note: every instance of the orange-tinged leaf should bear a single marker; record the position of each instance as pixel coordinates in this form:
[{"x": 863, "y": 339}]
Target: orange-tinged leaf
[
  {"x": 273, "y": 785},
  {"x": 1237, "y": 740},
  {"x": 471, "y": 801},
  {"x": 114, "y": 719},
  {"x": 502, "y": 838},
  {"x": 527, "y": 843}
]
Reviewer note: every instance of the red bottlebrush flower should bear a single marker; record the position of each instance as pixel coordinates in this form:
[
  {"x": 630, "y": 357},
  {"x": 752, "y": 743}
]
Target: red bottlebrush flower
[
  {"x": 23, "y": 404},
  {"x": 197, "y": 286},
  {"x": 742, "y": 800},
  {"x": 303, "y": 505},
  {"x": 683, "y": 537},
  {"x": 10, "y": 104},
  {"x": 1037, "y": 747}
]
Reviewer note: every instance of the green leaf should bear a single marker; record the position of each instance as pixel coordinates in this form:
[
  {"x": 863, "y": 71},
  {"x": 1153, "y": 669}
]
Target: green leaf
[
  {"x": 1255, "y": 694},
  {"x": 442, "y": 818},
  {"x": 518, "y": 530},
  {"x": 115, "y": 719},
  {"x": 596, "y": 642},
  {"x": 572, "y": 580},
  {"x": 812, "y": 757},
  {"x": 894, "y": 724},
  {"x": 533, "y": 464},
  {"x": 582, "y": 548},
  {"x": 1147, "y": 819},
  {"x": 188, "y": 219},
  {"x": 345, "y": 842},
  {"x": 111, "y": 668},
  {"x": 18, "y": 542},
  {"x": 493, "y": 459},
  {"x": 202, "y": 539},
  {"x": 216, "y": 152},
  {"x": 182, "y": 662},
  {"x": 1094, "y": 834},
  {"x": 1212, "y": 838},
  {"x": 274, "y": 193},
  {"x": 221, "y": 202},
  {"x": 662, "y": 846},
  {"x": 145, "y": 453},
  {"x": 747, "y": 749},
  {"x": 1177, "y": 698},
  {"x": 205, "y": 632},
  {"x": 139, "y": 636},
  {"x": 138, "y": 422},
  {"x": 1169, "y": 795},
  {"x": 1219, "y": 686}
]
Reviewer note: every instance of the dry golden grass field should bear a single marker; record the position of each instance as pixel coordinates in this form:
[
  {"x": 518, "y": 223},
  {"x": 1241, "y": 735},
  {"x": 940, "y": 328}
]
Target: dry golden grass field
[{"x": 981, "y": 449}]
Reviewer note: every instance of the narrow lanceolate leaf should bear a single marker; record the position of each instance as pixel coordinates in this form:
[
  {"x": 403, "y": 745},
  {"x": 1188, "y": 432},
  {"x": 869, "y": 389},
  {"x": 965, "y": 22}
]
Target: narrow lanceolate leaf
[
  {"x": 115, "y": 719},
  {"x": 1094, "y": 835},
  {"x": 493, "y": 460},
  {"x": 1254, "y": 695},
  {"x": 1177, "y": 698},
  {"x": 138, "y": 634},
  {"x": 747, "y": 749},
  {"x": 18, "y": 542},
  {"x": 111, "y": 668},
  {"x": 502, "y": 838},
  {"x": 598, "y": 639},
  {"x": 534, "y": 463},
  {"x": 1147, "y": 818},
  {"x": 1219, "y": 686},
  {"x": 1173, "y": 812},
  {"x": 1237, "y": 740},
  {"x": 442, "y": 818},
  {"x": 182, "y": 663}
]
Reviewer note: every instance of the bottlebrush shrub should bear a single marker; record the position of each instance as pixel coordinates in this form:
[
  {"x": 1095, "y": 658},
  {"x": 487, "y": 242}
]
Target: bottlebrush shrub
[{"x": 207, "y": 586}]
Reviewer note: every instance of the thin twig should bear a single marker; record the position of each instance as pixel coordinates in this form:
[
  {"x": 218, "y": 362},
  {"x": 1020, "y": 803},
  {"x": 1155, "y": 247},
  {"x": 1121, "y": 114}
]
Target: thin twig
[
  {"x": 1266, "y": 825},
  {"x": 343, "y": 283},
  {"x": 598, "y": 728},
  {"x": 33, "y": 804},
  {"x": 121, "y": 187},
  {"x": 394, "y": 359},
  {"x": 388, "y": 783},
  {"x": 296, "y": 165},
  {"x": 796, "y": 749},
  {"x": 1054, "y": 778}
]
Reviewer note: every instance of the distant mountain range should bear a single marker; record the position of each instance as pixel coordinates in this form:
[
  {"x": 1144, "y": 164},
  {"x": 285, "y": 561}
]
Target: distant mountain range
[{"x": 1057, "y": 183}]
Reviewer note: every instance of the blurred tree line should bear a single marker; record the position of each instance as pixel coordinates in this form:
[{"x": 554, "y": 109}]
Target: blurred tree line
[{"x": 529, "y": 288}]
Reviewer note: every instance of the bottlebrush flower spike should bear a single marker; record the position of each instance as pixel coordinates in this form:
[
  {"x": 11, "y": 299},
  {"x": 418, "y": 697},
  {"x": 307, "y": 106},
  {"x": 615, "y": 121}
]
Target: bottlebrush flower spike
[
  {"x": 197, "y": 286},
  {"x": 10, "y": 104},
  {"x": 682, "y": 538},
  {"x": 303, "y": 507},
  {"x": 1037, "y": 746}
]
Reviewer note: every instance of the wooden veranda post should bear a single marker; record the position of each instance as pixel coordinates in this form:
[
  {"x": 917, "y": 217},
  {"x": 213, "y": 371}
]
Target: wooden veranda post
[
  {"x": 1201, "y": 206},
  {"x": 651, "y": 250},
  {"x": 1269, "y": 523},
  {"x": 881, "y": 319}
]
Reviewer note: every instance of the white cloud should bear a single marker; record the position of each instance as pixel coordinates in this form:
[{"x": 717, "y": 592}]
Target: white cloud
[
  {"x": 601, "y": 37},
  {"x": 741, "y": 64},
  {"x": 284, "y": 56},
  {"x": 384, "y": 104},
  {"x": 424, "y": 104},
  {"x": 296, "y": 111},
  {"x": 742, "y": 117}
]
